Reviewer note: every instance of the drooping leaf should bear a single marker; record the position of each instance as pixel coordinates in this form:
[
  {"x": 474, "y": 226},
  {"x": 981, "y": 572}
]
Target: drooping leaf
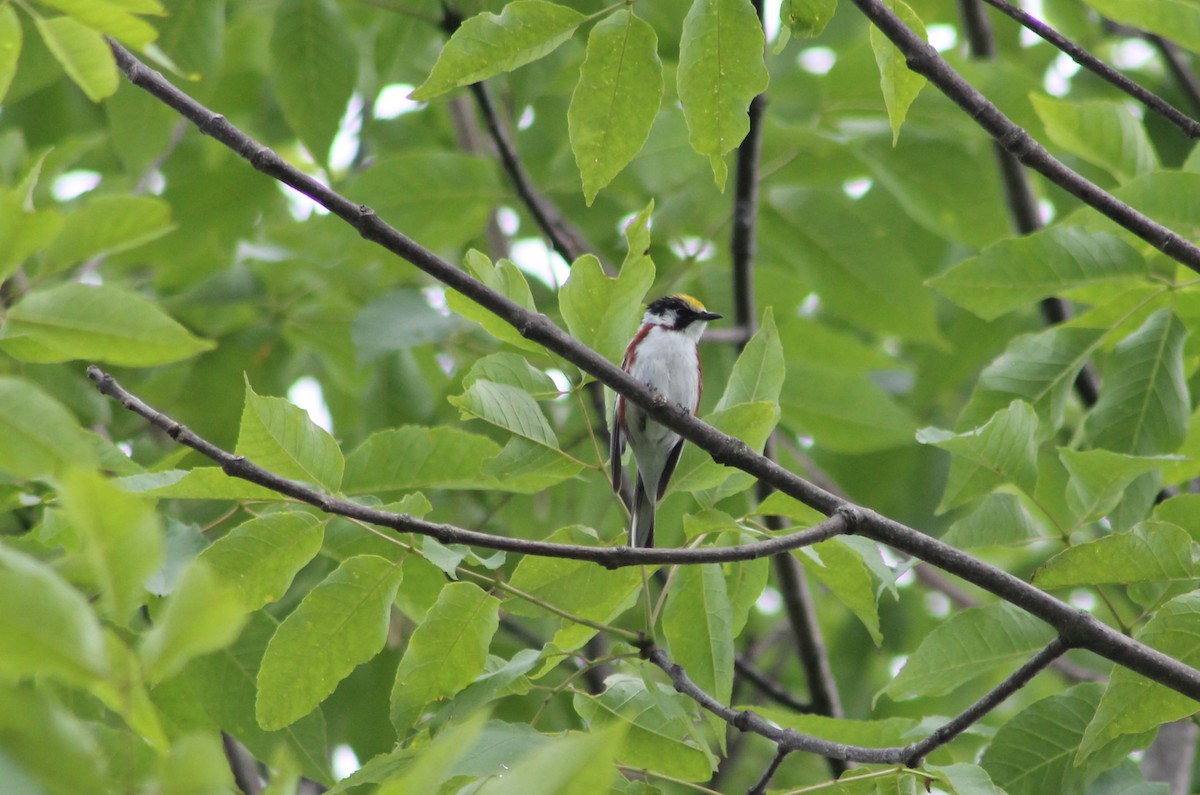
[
  {"x": 259, "y": 557},
  {"x": 1019, "y": 271},
  {"x": 616, "y": 100},
  {"x": 840, "y": 567},
  {"x": 1152, "y": 552},
  {"x": 114, "y": 18},
  {"x": 1000, "y": 520},
  {"x": 10, "y": 51},
  {"x": 1099, "y": 479},
  {"x": 488, "y": 44},
  {"x": 100, "y": 323},
  {"x": 750, "y": 422},
  {"x": 412, "y": 458},
  {"x": 759, "y": 370},
  {"x": 313, "y": 67},
  {"x": 1144, "y": 403},
  {"x": 578, "y": 763},
  {"x": 280, "y": 437},
  {"x": 339, "y": 625},
  {"x": 970, "y": 644},
  {"x": 1103, "y": 133},
  {"x": 506, "y": 407},
  {"x": 445, "y": 653},
  {"x": 82, "y": 53},
  {"x": 603, "y": 312},
  {"x": 38, "y": 436},
  {"x": 803, "y": 18},
  {"x": 900, "y": 84},
  {"x": 505, "y": 278},
  {"x": 721, "y": 70},
  {"x": 698, "y": 625},
  {"x": 107, "y": 225}
]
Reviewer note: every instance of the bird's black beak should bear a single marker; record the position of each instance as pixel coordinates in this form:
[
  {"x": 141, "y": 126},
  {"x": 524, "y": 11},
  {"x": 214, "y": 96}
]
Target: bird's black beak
[{"x": 709, "y": 316}]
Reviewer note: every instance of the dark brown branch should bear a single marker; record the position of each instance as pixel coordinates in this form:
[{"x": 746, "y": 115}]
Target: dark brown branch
[
  {"x": 1081, "y": 629},
  {"x": 1187, "y": 124},
  {"x": 1179, "y": 69},
  {"x": 814, "y": 657},
  {"x": 772, "y": 689},
  {"x": 760, "y": 788},
  {"x": 924, "y": 59}
]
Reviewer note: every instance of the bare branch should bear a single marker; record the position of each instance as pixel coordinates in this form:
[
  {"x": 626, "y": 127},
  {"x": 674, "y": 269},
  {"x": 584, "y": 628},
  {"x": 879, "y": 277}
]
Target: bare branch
[
  {"x": 925, "y": 60},
  {"x": 1079, "y": 628}
]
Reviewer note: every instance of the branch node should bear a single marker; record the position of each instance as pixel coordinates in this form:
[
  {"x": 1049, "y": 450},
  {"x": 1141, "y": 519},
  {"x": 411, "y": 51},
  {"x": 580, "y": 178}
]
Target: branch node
[
  {"x": 852, "y": 515},
  {"x": 210, "y": 124}
]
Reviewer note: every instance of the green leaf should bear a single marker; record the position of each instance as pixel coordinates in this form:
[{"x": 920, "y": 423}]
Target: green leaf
[
  {"x": 1041, "y": 368},
  {"x": 514, "y": 370},
  {"x": 759, "y": 370},
  {"x": 107, "y": 225},
  {"x": 49, "y": 628},
  {"x": 487, "y": 44},
  {"x": 406, "y": 458},
  {"x": 447, "y": 197},
  {"x": 1000, "y": 520},
  {"x": 101, "y": 323},
  {"x": 750, "y": 422},
  {"x": 506, "y": 407},
  {"x": 721, "y": 70},
  {"x": 121, "y": 541},
  {"x": 1177, "y": 20},
  {"x": 1019, "y": 271},
  {"x": 900, "y": 85},
  {"x": 970, "y": 644},
  {"x": 38, "y": 436},
  {"x": 48, "y": 748},
  {"x": 841, "y": 568},
  {"x": 279, "y": 436},
  {"x": 698, "y": 626},
  {"x": 844, "y": 412},
  {"x": 1132, "y": 703},
  {"x": 579, "y": 763},
  {"x": 1104, "y": 133},
  {"x": 656, "y": 723},
  {"x": 964, "y": 778},
  {"x": 1144, "y": 403},
  {"x": 1002, "y": 450},
  {"x": 616, "y": 100},
  {"x": 23, "y": 231},
  {"x": 879, "y": 733},
  {"x": 201, "y": 616},
  {"x": 340, "y": 624},
  {"x": 603, "y": 312},
  {"x": 197, "y": 763},
  {"x": 313, "y": 68},
  {"x": 112, "y": 17},
  {"x": 804, "y": 19},
  {"x": 446, "y": 651},
  {"x": 224, "y": 683},
  {"x": 82, "y": 53},
  {"x": 1099, "y": 479},
  {"x": 201, "y": 483},
  {"x": 10, "y": 54},
  {"x": 259, "y": 557},
  {"x": 505, "y": 278},
  {"x": 437, "y": 760},
  {"x": 1155, "y": 552}
]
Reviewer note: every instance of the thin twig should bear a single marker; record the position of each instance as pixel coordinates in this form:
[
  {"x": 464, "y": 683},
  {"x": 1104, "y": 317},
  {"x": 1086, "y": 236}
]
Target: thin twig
[
  {"x": 772, "y": 689},
  {"x": 1083, "y": 630},
  {"x": 760, "y": 787},
  {"x": 1187, "y": 124},
  {"x": 1179, "y": 68},
  {"x": 925, "y": 60}
]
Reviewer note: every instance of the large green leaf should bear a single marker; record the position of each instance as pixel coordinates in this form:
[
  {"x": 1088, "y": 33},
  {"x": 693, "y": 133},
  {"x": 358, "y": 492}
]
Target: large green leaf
[
  {"x": 412, "y": 458},
  {"x": 507, "y": 407},
  {"x": 1132, "y": 703},
  {"x": 10, "y": 51},
  {"x": 1144, "y": 403},
  {"x": 759, "y": 370},
  {"x": 49, "y": 748},
  {"x": 114, "y": 18},
  {"x": 1153, "y": 552},
  {"x": 23, "y": 230},
  {"x": 900, "y": 85},
  {"x": 578, "y": 763},
  {"x": 845, "y": 412},
  {"x": 280, "y": 436},
  {"x": 803, "y": 19},
  {"x": 107, "y": 225},
  {"x": 340, "y": 624},
  {"x": 721, "y": 70},
  {"x": 82, "y": 53},
  {"x": 49, "y": 628},
  {"x": 750, "y": 422},
  {"x": 999, "y": 520},
  {"x": 1099, "y": 479},
  {"x": 620, "y": 89},
  {"x": 1178, "y": 20},
  {"x": 259, "y": 557},
  {"x": 313, "y": 67},
  {"x": 202, "y": 615},
  {"x": 603, "y": 312},
  {"x": 488, "y": 44},
  {"x": 102, "y": 323},
  {"x": 505, "y": 278},
  {"x": 446, "y": 652},
  {"x": 1103, "y": 133},
  {"x": 201, "y": 483},
  {"x": 38, "y": 436},
  {"x": 841, "y": 568},
  {"x": 1019, "y": 271},
  {"x": 970, "y": 644},
  {"x": 697, "y": 622}
]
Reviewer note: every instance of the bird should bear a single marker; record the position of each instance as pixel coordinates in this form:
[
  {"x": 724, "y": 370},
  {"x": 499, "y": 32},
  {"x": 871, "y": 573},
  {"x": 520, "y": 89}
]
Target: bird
[{"x": 664, "y": 355}]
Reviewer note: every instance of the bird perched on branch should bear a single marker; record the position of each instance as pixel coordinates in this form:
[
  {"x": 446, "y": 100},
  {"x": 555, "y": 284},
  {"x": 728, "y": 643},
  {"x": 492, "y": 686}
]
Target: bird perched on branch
[{"x": 664, "y": 356}]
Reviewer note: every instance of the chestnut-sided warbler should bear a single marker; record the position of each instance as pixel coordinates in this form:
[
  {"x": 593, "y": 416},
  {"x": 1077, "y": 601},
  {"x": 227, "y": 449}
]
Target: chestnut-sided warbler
[{"x": 663, "y": 355}]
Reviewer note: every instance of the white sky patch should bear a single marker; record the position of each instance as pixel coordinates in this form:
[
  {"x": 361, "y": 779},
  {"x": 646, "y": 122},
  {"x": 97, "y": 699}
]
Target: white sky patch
[
  {"x": 805, "y": 442},
  {"x": 1034, "y": 8},
  {"x": 561, "y": 382},
  {"x": 942, "y": 37},
  {"x": 1057, "y": 81},
  {"x": 858, "y": 187},
  {"x": 771, "y": 18},
  {"x": 393, "y": 101},
  {"x": 349, "y": 135},
  {"x": 693, "y": 248},
  {"x": 816, "y": 60},
  {"x": 1046, "y": 211},
  {"x": 528, "y": 117},
  {"x": 810, "y": 305},
  {"x": 435, "y": 296},
  {"x": 508, "y": 220},
  {"x": 73, "y": 184},
  {"x": 937, "y": 604},
  {"x": 1132, "y": 54},
  {"x": 308, "y": 395},
  {"x": 300, "y": 206},
  {"x": 345, "y": 762},
  {"x": 896, "y": 664},
  {"x": 91, "y": 278},
  {"x": 769, "y": 602},
  {"x": 1082, "y": 600},
  {"x": 536, "y": 259}
]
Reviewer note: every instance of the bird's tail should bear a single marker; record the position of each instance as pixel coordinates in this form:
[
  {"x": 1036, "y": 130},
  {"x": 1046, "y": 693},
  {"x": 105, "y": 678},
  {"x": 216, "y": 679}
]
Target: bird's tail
[{"x": 641, "y": 534}]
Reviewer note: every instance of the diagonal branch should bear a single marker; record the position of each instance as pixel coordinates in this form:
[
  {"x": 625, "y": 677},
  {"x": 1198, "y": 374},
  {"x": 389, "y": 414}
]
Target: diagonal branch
[
  {"x": 1079, "y": 628},
  {"x": 924, "y": 59}
]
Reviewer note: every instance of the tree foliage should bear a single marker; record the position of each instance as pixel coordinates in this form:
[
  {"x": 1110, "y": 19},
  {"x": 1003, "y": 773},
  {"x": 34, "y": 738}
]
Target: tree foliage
[{"x": 217, "y": 589}]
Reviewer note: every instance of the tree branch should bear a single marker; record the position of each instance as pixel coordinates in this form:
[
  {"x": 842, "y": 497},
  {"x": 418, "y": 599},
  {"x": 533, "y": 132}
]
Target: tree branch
[
  {"x": 1080, "y": 628},
  {"x": 924, "y": 60}
]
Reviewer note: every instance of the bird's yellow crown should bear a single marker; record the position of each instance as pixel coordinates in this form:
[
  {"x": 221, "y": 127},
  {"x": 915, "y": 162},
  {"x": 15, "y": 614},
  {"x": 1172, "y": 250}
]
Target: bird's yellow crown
[{"x": 694, "y": 303}]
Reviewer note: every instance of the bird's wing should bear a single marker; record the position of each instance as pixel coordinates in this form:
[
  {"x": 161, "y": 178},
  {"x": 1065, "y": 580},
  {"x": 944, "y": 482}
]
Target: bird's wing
[
  {"x": 616, "y": 445},
  {"x": 669, "y": 468}
]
